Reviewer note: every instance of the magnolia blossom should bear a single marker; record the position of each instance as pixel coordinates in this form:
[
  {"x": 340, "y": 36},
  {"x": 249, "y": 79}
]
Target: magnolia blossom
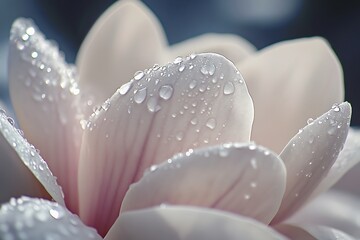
[{"x": 184, "y": 150}]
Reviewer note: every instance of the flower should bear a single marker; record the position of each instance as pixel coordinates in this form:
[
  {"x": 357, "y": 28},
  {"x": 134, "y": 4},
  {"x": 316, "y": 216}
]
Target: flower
[{"x": 189, "y": 121}]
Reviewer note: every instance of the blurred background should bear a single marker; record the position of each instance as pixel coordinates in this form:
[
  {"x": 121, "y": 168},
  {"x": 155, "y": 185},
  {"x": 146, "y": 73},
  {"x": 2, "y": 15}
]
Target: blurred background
[{"x": 262, "y": 22}]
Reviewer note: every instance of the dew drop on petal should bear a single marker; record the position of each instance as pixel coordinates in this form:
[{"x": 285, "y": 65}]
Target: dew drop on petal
[
  {"x": 178, "y": 60},
  {"x": 152, "y": 105},
  {"x": 140, "y": 96},
  {"x": 166, "y": 91},
  {"x": 192, "y": 84},
  {"x": 179, "y": 136},
  {"x": 211, "y": 123},
  {"x": 124, "y": 89},
  {"x": 208, "y": 69},
  {"x": 335, "y": 107},
  {"x": 229, "y": 88},
  {"x": 310, "y": 121},
  {"x": 139, "y": 75},
  {"x": 181, "y": 68}
]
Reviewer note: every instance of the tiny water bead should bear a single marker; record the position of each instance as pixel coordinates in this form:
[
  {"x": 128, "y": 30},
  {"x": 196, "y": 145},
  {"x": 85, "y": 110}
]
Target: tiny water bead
[{"x": 336, "y": 107}]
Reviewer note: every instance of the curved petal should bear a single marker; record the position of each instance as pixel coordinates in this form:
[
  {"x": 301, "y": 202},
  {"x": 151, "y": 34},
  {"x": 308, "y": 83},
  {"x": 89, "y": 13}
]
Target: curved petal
[
  {"x": 46, "y": 101},
  {"x": 22, "y": 170},
  {"x": 309, "y": 232},
  {"x": 233, "y": 47},
  {"x": 126, "y": 38},
  {"x": 309, "y": 156},
  {"x": 348, "y": 158},
  {"x": 291, "y": 74},
  {"x": 197, "y": 101},
  {"x": 332, "y": 209},
  {"x": 185, "y": 223},
  {"x": 197, "y": 178},
  {"x": 33, "y": 218}
]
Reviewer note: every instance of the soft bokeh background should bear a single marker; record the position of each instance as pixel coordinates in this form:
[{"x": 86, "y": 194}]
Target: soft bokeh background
[{"x": 262, "y": 22}]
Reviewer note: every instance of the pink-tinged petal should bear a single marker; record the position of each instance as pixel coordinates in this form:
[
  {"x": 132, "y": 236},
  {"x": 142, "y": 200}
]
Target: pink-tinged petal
[
  {"x": 178, "y": 222},
  {"x": 309, "y": 156},
  {"x": 46, "y": 99},
  {"x": 126, "y": 38},
  {"x": 309, "y": 232},
  {"x": 233, "y": 47},
  {"x": 22, "y": 170},
  {"x": 348, "y": 158},
  {"x": 197, "y": 101},
  {"x": 197, "y": 178},
  {"x": 34, "y": 218},
  {"x": 284, "y": 81},
  {"x": 333, "y": 209}
]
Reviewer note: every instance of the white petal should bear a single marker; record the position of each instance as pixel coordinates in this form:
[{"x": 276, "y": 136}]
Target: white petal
[
  {"x": 46, "y": 100},
  {"x": 309, "y": 156},
  {"x": 348, "y": 158},
  {"x": 285, "y": 81},
  {"x": 22, "y": 170},
  {"x": 333, "y": 209},
  {"x": 126, "y": 38},
  {"x": 197, "y": 101},
  {"x": 184, "y": 223},
  {"x": 311, "y": 232},
  {"x": 33, "y": 218},
  {"x": 233, "y": 47},
  {"x": 197, "y": 178}
]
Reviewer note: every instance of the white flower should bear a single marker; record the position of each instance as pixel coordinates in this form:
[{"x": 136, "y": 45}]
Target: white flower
[{"x": 190, "y": 121}]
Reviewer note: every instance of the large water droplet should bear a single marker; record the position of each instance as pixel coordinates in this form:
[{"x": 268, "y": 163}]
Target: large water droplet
[
  {"x": 211, "y": 123},
  {"x": 178, "y": 60},
  {"x": 229, "y": 88},
  {"x": 181, "y": 68},
  {"x": 124, "y": 89},
  {"x": 139, "y": 75},
  {"x": 166, "y": 92},
  {"x": 208, "y": 69},
  {"x": 192, "y": 84},
  {"x": 152, "y": 105},
  {"x": 140, "y": 96}
]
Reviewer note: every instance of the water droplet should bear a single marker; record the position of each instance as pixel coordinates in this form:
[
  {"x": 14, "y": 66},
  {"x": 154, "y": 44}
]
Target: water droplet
[
  {"x": 229, "y": 88},
  {"x": 56, "y": 213},
  {"x": 152, "y": 105},
  {"x": 192, "y": 84},
  {"x": 208, "y": 69},
  {"x": 178, "y": 60},
  {"x": 34, "y": 54},
  {"x": 211, "y": 123},
  {"x": 25, "y": 37},
  {"x": 253, "y": 163},
  {"x": 106, "y": 105},
  {"x": 194, "y": 121},
  {"x": 192, "y": 56},
  {"x": 139, "y": 75},
  {"x": 179, "y": 136},
  {"x": 335, "y": 107},
  {"x": 181, "y": 68},
  {"x": 166, "y": 91},
  {"x": 140, "y": 96},
  {"x": 20, "y": 46},
  {"x": 124, "y": 89},
  {"x": 310, "y": 121},
  {"x": 30, "y": 31}
]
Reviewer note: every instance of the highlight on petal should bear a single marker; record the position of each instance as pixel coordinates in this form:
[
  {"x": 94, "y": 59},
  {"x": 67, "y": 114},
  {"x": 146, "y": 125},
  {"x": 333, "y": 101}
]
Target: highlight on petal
[
  {"x": 197, "y": 178},
  {"x": 46, "y": 100},
  {"x": 309, "y": 156},
  {"x": 233, "y": 47},
  {"x": 348, "y": 158},
  {"x": 183, "y": 223},
  {"x": 197, "y": 101},
  {"x": 34, "y": 218},
  {"x": 296, "y": 70},
  {"x": 333, "y": 209},
  {"x": 309, "y": 232},
  {"x": 22, "y": 170},
  {"x": 126, "y": 38}
]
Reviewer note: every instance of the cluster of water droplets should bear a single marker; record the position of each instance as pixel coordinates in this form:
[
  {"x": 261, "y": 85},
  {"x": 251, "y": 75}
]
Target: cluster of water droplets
[
  {"x": 40, "y": 66},
  {"x": 30, "y": 156},
  {"x": 30, "y": 218}
]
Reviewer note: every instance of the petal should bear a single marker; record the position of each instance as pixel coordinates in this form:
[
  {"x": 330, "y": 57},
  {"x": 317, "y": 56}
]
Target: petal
[
  {"x": 22, "y": 170},
  {"x": 348, "y": 158},
  {"x": 333, "y": 209},
  {"x": 233, "y": 47},
  {"x": 309, "y": 156},
  {"x": 126, "y": 38},
  {"x": 46, "y": 99},
  {"x": 309, "y": 232},
  {"x": 197, "y": 178},
  {"x": 33, "y": 218},
  {"x": 177, "y": 222},
  {"x": 294, "y": 71},
  {"x": 198, "y": 101}
]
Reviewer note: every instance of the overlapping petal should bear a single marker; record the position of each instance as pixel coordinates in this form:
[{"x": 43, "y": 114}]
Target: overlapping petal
[
  {"x": 196, "y": 178},
  {"x": 22, "y": 170},
  {"x": 286, "y": 82},
  {"x": 126, "y": 38},
  {"x": 193, "y": 102},
  {"x": 309, "y": 156},
  {"x": 33, "y": 218},
  {"x": 46, "y": 100},
  {"x": 185, "y": 223}
]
